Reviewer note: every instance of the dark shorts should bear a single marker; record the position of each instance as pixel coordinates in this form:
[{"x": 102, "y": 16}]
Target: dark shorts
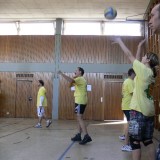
[
  {"x": 127, "y": 114},
  {"x": 79, "y": 108},
  {"x": 141, "y": 127}
]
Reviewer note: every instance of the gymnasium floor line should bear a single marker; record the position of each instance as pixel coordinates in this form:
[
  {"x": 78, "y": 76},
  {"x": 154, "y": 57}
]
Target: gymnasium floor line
[
  {"x": 69, "y": 147},
  {"x": 16, "y": 132},
  {"x": 65, "y": 152},
  {"x": 10, "y": 124}
]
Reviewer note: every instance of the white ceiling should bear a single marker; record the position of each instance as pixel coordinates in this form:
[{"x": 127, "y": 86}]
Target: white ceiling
[{"x": 23, "y": 10}]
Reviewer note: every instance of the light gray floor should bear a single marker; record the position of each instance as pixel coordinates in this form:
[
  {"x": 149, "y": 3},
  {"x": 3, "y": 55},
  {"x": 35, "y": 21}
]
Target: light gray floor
[{"x": 19, "y": 140}]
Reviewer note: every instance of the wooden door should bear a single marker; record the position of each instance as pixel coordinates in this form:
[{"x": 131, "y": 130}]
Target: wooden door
[
  {"x": 23, "y": 99},
  {"x": 112, "y": 94}
]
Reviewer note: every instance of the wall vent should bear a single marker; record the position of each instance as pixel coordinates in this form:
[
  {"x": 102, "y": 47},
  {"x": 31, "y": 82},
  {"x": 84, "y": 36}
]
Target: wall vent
[
  {"x": 24, "y": 75},
  {"x": 114, "y": 77}
]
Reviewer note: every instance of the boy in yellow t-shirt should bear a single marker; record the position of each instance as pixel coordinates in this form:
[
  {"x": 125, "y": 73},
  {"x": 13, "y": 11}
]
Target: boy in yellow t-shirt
[
  {"x": 41, "y": 105},
  {"x": 127, "y": 92},
  {"x": 80, "y": 96}
]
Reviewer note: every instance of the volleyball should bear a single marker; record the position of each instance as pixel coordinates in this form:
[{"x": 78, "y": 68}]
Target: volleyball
[{"x": 110, "y": 13}]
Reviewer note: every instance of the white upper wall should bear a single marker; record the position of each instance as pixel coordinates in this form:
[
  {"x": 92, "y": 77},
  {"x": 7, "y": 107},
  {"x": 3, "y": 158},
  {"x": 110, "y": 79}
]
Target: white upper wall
[{"x": 69, "y": 9}]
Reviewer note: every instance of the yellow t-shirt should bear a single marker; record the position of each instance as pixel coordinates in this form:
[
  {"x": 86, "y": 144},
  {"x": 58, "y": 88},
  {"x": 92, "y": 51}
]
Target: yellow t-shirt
[
  {"x": 41, "y": 92},
  {"x": 127, "y": 90},
  {"x": 142, "y": 100},
  {"x": 80, "y": 93}
]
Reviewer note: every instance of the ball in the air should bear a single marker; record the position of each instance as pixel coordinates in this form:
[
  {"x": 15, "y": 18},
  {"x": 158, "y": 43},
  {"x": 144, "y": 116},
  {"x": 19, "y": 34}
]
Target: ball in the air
[{"x": 110, "y": 13}]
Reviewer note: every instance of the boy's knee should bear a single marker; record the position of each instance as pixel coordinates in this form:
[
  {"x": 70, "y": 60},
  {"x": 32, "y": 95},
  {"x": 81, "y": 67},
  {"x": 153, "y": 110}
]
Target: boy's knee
[{"x": 135, "y": 144}]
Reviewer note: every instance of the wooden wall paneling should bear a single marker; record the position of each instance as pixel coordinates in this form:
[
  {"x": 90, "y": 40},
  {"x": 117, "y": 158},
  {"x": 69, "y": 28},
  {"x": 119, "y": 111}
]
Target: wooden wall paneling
[
  {"x": 94, "y": 108},
  {"x": 95, "y": 49},
  {"x": 7, "y": 95},
  {"x": 3, "y": 48},
  {"x": 112, "y": 100},
  {"x": 27, "y": 49},
  {"x": 23, "y": 93},
  {"x": 85, "y": 49},
  {"x": 106, "y": 51},
  {"x": 99, "y": 50},
  {"x": 89, "y": 109},
  {"x": 156, "y": 95},
  {"x": 37, "y": 48},
  {"x": 156, "y": 103},
  {"x": 109, "y": 51},
  {"x": 66, "y": 100},
  {"x": 69, "y": 49},
  {"x": 156, "y": 44},
  {"x": 153, "y": 42},
  {"x": 100, "y": 98},
  {"x": 13, "y": 51}
]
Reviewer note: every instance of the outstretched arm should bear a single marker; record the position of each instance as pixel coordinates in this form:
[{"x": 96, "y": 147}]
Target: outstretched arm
[
  {"x": 139, "y": 49},
  {"x": 126, "y": 51},
  {"x": 69, "y": 79},
  {"x": 71, "y": 84}
]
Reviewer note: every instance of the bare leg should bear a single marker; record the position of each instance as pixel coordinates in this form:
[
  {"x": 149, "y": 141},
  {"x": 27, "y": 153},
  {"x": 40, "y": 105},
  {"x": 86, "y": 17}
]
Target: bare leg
[
  {"x": 79, "y": 128},
  {"x": 40, "y": 120},
  {"x": 81, "y": 123},
  {"x": 151, "y": 152},
  {"x": 136, "y": 154},
  {"x": 45, "y": 117}
]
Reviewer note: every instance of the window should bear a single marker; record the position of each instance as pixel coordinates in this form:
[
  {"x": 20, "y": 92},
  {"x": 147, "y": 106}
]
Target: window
[
  {"x": 72, "y": 28},
  {"x": 37, "y": 28},
  {"x": 8, "y": 29},
  {"x": 82, "y": 28},
  {"x": 122, "y": 29}
]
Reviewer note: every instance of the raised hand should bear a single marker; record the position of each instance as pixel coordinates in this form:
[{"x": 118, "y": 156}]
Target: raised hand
[
  {"x": 139, "y": 49},
  {"x": 116, "y": 40},
  {"x": 142, "y": 42},
  {"x": 126, "y": 51}
]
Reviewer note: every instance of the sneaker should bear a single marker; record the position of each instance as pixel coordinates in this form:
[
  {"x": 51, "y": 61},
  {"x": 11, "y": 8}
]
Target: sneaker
[
  {"x": 122, "y": 137},
  {"x": 85, "y": 140},
  {"x": 48, "y": 123},
  {"x": 126, "y": 148},
  {"x": 38, "y": 126},
  {"x": 77, "y": 137}
]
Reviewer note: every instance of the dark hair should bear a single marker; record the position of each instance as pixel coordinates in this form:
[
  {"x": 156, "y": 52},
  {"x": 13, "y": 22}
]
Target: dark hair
[
  {"x": 130, "y": 72},
  {"x": 41, "y": 82},
  {"x": 81, "y": 70},
  {"x": 153, "y": 62}
]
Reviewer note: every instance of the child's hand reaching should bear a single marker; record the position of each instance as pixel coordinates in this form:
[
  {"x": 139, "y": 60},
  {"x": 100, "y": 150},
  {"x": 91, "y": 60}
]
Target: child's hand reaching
[
  {"x": 116, "y": 40},
  {"x": 141, "y": 42}
]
